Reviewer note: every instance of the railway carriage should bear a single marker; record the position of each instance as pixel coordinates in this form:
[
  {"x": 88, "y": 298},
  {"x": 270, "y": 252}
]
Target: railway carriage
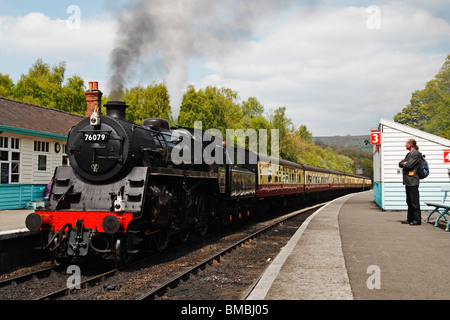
[
  {"x": 316, "y": 179},
  {"x": 337, "y": 180}
]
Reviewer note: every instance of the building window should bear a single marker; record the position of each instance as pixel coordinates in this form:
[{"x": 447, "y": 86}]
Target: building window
[
  {"x": 65, "y": 157},
  {"x": 41, "y": 146},
  {"x": 42, "y": 162},
  {"x": 4, "y": 142},
  {"x": 9, "y": 160}
]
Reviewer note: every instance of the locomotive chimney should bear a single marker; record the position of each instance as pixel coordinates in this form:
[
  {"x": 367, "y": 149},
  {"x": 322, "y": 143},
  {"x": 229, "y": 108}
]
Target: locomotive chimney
[
  {"x": 116, "y": 109},
  {"x": 93, "y": 99}
]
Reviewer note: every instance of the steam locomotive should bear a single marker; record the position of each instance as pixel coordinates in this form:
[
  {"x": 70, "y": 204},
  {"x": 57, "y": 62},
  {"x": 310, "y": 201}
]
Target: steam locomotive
[{"x": 124, "y": 189}]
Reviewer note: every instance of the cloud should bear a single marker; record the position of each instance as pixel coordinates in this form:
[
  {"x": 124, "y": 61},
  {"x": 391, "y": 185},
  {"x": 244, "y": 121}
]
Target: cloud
[
  {"x": 322, "y": 62},
  {"x": 37, "y": 33},
  {"x": 84, "y": 47},
  {"x": 332, "y": 72}
]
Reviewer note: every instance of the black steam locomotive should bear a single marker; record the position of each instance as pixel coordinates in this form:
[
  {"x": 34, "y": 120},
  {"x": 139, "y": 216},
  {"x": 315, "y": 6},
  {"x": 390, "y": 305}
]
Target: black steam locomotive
[{"x": 124, "y": 188}]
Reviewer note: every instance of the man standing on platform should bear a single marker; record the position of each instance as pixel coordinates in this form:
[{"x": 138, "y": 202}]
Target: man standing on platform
[{"x": 410, "y": 167}]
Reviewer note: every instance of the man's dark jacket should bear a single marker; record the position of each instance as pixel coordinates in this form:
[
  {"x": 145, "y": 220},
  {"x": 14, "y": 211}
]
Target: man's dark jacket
[{"x": 410, "y": 174}]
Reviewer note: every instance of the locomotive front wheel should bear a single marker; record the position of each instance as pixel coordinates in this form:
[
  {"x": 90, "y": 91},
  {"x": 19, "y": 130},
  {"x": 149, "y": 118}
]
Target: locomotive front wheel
[
  {"x": 184, "y": 235},
  {"x": 123, "y": 257},
  {"x": 203, "y": 230},
  {"x": 161, "y": 240}
]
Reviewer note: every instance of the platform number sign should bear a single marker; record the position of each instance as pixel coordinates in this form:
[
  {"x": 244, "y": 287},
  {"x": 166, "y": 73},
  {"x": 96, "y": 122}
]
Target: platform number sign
[
  {"x": 375, "y": 137},
  {"x": 447, "y": 155}
]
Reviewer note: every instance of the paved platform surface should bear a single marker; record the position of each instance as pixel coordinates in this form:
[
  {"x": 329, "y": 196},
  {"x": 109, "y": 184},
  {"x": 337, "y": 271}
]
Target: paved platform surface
[
  {"x": 352, "y": 250},
  {"x": 12, "y": 223}
]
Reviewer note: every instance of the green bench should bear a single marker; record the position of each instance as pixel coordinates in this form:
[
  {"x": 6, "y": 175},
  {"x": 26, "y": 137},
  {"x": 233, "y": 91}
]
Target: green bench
[{"x": 441, "y": 208}]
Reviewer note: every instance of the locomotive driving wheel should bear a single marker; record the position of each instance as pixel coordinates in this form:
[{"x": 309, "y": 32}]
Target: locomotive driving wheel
[{"x": 203, "y": 213}]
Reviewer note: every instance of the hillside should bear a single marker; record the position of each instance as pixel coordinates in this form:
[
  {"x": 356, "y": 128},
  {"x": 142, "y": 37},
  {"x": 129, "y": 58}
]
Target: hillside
[
  {"x": 358, "y": 148},
  {"x": 358, "y": 142}
]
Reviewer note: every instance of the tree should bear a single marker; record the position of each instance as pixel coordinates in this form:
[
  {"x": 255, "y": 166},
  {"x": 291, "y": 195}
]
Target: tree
[
  {"x": 429, "y": 109},
  {"x": 41, "y": 85},
  {"x": 252, "y": 108},
  {"x": 304, "y": 133},
  {"x": 46, "y": 86},
  {"x": 6, "y": 86},
  {"x": 215, "y": 108},
  {"x": 280, "y": 121},
  {"x": 439, "y": 113},
  {"x": 150, "y": 102},
  {"x": 73, "y": 97}
]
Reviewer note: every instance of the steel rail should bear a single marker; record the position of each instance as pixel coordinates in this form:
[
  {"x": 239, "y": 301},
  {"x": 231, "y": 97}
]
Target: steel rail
[
  {"x": 26, "y": 277},
  {"x": 65, "y": 291}
]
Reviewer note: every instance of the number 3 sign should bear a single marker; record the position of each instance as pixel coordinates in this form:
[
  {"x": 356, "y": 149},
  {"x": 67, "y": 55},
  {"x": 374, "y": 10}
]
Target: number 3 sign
[
  {"x": 447, "y": 155},
  {"x": 375, "y": 137}
]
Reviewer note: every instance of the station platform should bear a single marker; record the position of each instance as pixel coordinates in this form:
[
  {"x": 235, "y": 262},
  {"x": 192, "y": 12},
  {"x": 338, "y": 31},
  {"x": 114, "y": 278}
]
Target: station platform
[
  {"x": 352, "y": 250},
  {"x": 12, "y": 223}
]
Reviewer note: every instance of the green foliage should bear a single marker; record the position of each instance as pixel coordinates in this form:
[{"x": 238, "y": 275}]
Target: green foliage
[
  {"x": 6, "y": 86},
  {"x": 72, "y": 96},
  {"x": 304, "y": 133},
  {"x": 46, "y": 86},
  {"x": 429, "y": 109},
  {"x": 215, "y": 108},
  {"x": 252, "y": 108},
  {"x": 150, "y": 102},
  {"x": 219, "y": 109}
]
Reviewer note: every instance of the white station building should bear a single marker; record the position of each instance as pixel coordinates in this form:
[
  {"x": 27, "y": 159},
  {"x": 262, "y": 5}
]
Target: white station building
[{"x": 389, "y": 191}]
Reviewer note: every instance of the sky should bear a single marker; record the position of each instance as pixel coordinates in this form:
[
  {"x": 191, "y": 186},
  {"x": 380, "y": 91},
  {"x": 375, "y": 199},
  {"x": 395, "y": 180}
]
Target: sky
[{"x": 337, "y": 66}]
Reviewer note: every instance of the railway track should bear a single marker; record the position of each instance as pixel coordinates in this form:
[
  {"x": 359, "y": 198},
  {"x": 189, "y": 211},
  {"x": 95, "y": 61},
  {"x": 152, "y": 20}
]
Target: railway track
[
  {"x": 157, "y": 291},
  {"x": 184, "y": 276},
  {"x": 54, "y": 276},
  {"x": 83, "y": 284}
]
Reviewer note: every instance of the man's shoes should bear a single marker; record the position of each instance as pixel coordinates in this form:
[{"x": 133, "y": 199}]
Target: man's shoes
[
  {"x": 405, "y": 222},
  {"x": 415, "y": 223}
]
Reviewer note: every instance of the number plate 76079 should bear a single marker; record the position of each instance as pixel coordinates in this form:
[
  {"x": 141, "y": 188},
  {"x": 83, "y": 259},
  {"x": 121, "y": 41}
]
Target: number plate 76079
[{"x": 96, "y": 137}]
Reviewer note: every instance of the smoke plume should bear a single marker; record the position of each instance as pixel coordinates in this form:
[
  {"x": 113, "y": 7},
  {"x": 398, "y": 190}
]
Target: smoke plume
[{"x": 169, "y": 33}]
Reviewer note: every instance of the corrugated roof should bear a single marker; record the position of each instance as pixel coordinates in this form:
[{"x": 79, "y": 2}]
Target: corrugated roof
[
  {"x": 29, "y": 116},
  {"x": 413, "y": 131}
]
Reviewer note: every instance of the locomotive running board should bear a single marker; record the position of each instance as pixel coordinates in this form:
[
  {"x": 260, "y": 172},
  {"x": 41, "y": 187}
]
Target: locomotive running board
[{"x": 161, "y": 171}]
